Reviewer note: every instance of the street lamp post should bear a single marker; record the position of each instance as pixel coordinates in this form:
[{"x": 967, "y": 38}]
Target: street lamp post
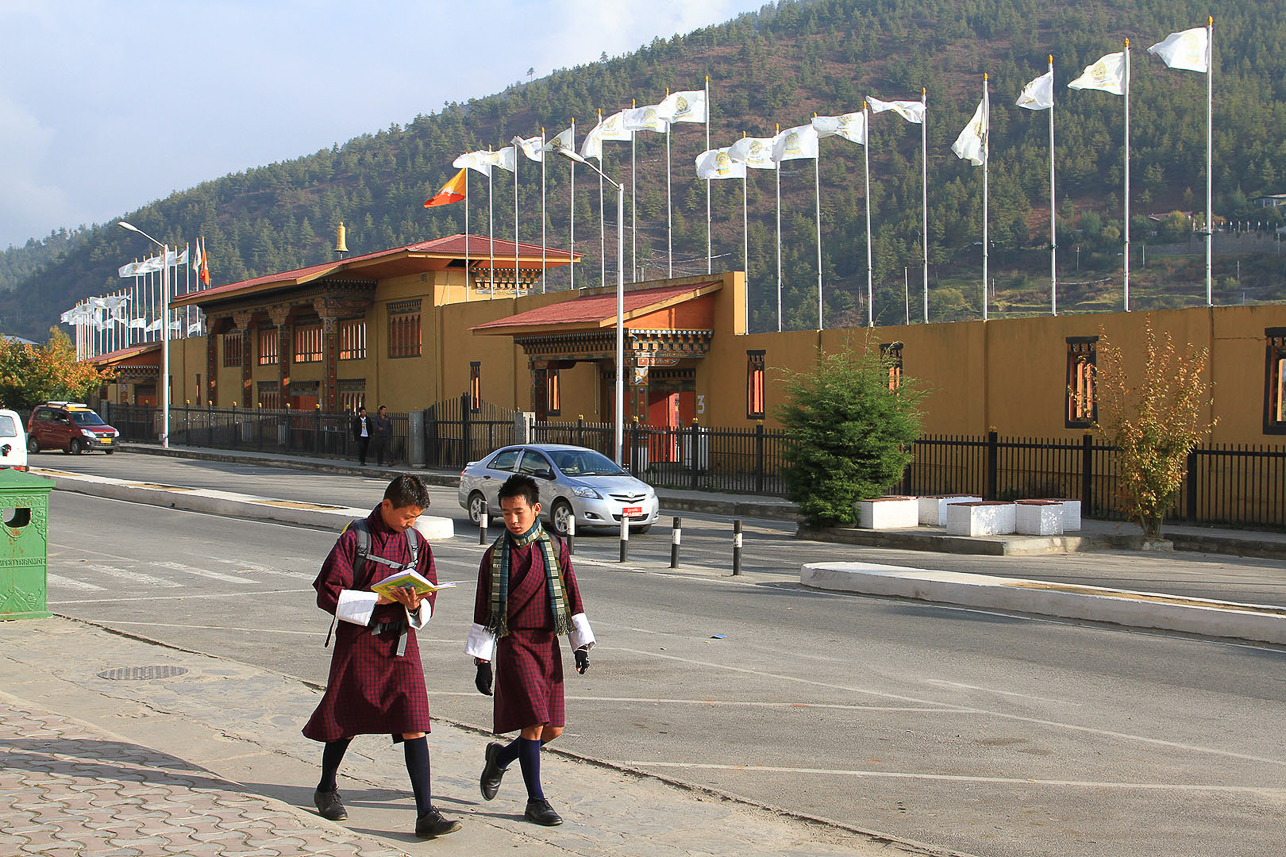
[
  {"x": 165, "y": 331},
  {"x": 619, "y": 443}
]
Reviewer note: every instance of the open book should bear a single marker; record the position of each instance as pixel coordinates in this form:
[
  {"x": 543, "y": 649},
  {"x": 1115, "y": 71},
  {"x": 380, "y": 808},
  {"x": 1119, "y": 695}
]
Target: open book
[{"x": 409, "y": 579}]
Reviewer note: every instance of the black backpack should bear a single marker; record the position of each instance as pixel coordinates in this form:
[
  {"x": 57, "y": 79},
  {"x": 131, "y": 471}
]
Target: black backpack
[{"x": 363, "y": 555}]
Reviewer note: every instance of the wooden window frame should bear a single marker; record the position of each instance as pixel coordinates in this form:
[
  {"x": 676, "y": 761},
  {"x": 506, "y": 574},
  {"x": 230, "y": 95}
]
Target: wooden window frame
[
  {"x": 309, "y": 343},
  {"x": 352, "y": 339},
  {"x": 756, "y": 407},
  {"x": 234, "y": 349},
  {"x": 1080, "y": 406},
  {"x": 1275, "y": 380},
  {"x": 553, "y": 393},
  {"x": 404, "y": 331},
  {"x": 891, "y": 352},
  {"x": 269, "y": 345},
  {"x": 475, "y": 386}
]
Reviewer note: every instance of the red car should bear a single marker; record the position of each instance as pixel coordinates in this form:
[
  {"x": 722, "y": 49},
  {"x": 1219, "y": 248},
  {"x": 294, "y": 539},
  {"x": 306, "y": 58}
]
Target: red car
[{"x": 69, "y": 426}]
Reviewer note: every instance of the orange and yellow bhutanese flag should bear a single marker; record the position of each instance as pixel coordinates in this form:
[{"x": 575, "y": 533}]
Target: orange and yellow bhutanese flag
[
  {"x": 452, "y": 191},
  {"x": 203, "y": 274}
]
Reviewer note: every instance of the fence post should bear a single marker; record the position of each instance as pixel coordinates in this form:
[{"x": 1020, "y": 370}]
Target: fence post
[
  {"x": 695, "y": 452},
  {"x": 580, "y": 430},
  {"x": 466, "y": 430},
  {"x": 759, "y": 457},
  {"x": 317, "y": 433},
  {"x": 1192, "y": 487},
  {"x": 209, "y": 421},
  {"x": 1087, "y": 473},
  {"x": 993, "y": 459}
]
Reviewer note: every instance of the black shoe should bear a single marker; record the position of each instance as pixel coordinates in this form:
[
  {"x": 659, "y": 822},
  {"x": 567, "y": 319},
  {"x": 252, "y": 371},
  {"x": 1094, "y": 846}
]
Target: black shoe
[
  {"x": 329, "y": 806},
  {"x": 539, "y": 811},
  {"x": 432, "y": 824},
  {"x": 489, "y": 782}
]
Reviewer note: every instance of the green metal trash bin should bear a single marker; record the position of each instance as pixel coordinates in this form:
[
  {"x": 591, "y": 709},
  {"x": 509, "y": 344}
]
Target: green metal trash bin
[{"x": 24, "y": 545}]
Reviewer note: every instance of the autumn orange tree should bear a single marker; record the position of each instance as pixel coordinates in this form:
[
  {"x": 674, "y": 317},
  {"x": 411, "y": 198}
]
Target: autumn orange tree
[
  {"x": 1154, "y": 419},
  {"x": 31, "y": 374}
]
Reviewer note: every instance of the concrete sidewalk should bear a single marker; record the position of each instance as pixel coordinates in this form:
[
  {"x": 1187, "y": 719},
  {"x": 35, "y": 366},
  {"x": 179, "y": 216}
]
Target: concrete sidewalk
[{"x": 114, "y": 745}]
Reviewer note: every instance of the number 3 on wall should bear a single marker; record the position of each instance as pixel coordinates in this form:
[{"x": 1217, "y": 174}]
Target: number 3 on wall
[{"x": 701, "y": 403}]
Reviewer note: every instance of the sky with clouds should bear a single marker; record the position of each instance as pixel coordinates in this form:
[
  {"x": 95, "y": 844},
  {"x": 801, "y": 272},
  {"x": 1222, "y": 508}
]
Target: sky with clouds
[{"x": 106, "y": 106}]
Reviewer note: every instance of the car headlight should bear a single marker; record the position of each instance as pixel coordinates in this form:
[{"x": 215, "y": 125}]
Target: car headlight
[
  {"x": 589, "y": 493},
  {"x": 87, "y": 433}
]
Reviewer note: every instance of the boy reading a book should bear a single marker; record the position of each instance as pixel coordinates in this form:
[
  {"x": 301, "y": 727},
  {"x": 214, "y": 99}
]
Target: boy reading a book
[{"x": 376, "y": 682}]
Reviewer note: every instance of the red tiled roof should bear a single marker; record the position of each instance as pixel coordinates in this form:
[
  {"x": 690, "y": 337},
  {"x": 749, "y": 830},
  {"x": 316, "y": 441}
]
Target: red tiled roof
[
  {"x": 596, "y": 310},
  {"x": 125, "y": 353},
  {"x": 452, "y": 247}
]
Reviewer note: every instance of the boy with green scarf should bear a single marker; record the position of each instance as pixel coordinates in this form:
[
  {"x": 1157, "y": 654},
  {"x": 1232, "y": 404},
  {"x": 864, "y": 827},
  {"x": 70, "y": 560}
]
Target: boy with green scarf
[{"x": 527, "y": 597}]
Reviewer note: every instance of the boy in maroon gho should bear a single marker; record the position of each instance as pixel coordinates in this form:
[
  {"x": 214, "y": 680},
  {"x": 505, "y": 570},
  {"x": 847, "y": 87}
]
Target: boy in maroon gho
[
  {"x": 376, "y": 683},
  {"x": 527, "y": 597}
]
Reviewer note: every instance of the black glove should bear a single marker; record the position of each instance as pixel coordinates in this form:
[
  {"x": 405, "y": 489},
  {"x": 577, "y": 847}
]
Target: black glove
[
  {"x": 482, "y": 680},
  {"x": 582, "y": 659}
]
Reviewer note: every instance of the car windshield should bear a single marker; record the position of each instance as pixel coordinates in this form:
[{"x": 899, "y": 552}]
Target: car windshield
[
  {"x": 584, "y": 462},
  {"x": 87, "y": 418}
]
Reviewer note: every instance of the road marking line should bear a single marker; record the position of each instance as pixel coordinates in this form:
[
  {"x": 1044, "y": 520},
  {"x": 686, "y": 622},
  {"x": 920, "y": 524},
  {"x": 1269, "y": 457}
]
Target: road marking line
[
  {"x": 189, "y": 597},
  {"x": 1267, "y": 791},
  {"x": 57, "y": 580},
  {"x": 1104, "y": 733},
  {"x": 201, "y": 572},
  {"x": 956, "y": 684},
  {"x": 134, "y": 576},
  {"x": 112, "y": 622}
]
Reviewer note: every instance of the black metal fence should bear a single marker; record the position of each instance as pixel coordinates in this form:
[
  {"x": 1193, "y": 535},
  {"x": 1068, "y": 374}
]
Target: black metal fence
[
  {"x": 1237, "y": 485},
  {"x": 261, "y": 429}
]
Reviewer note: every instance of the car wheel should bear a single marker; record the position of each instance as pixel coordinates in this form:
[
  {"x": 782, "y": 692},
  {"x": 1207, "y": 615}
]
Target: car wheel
[
  {"x": 477, "y": 503},
  {"x": 74, "y": 447},
  {"x": 33, "y": 445},
  {"x": 643, "y": 530},
  {"x": 560, "y": 517}
]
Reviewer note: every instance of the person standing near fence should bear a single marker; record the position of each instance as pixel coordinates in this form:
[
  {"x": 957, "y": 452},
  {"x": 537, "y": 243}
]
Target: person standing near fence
[
  {"x": 381, "y": 434},
  {"x": 362, "y": 434}
]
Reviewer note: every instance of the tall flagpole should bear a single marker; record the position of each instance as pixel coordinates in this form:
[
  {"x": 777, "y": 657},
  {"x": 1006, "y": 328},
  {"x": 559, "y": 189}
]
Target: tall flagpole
[
  {"x": 870, "y": 268},
  {"x": 986, "y": 159},
  {"x": 544, "y": 244},
  {"x": 1053, "y": 216},
  {"x": 571, "y": 235},
  {"x": 1210, "y": 100},
  {"x": 745, "y": 226},
  {"x": 669, "y": 216},
  {"x": 778, "y": 171},
  {"x": 517, "y": 157},
  {"x": 709, "y": 250},
  {"x": 466, "y": 235},
  {"x": 634, "y": 209},
  {"x": 924, "y": 193},
  {"x": 1126, "y": 255},
  {"x": 602, "y": 226},
  {"x": 491, "y": 231},
  {"x": 817, "y": 197}
]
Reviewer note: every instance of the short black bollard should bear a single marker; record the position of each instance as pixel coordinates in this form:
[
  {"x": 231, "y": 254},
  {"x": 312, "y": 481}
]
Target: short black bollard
[
  {"x": 736, "y": 547},
  {"x": 676, "y": 537},
  {"x": 625, "y": 537},
  {"x": 571, "y": 534},
  {"x": 482, "y": 525}
]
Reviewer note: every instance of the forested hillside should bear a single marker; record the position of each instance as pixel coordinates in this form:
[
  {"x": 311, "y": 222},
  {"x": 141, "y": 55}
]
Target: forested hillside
[{"x": 780, "y": 66}]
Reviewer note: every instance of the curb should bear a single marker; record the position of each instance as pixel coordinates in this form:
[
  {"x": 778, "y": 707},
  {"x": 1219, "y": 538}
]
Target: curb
[
  {"x": 924, "y": 540},
  {"x": 1205, "y": 617},
  {"x": 229, "y": 504}
]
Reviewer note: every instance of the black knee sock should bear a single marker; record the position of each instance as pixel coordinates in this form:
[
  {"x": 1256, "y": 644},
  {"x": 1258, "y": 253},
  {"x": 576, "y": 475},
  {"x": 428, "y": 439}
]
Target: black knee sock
[
  {"x": 332, "y": 755},
  {"x": 529, "y": 758},
  {"x": 508, "y": 753},
  {"x": 417, "y": 765}
]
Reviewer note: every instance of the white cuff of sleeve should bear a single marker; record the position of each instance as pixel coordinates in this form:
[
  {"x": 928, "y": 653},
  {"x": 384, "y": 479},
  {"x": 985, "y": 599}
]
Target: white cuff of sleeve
[
  {"x": 355, "y": 606},
  {"x": 481, "y": 643},
  {"x": 419, "y": 618},
  {"x": 582, "y": 634}
]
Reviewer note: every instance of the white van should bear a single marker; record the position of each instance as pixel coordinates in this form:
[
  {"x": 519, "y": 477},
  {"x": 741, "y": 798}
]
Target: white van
[{"x": 13, "y": 441}]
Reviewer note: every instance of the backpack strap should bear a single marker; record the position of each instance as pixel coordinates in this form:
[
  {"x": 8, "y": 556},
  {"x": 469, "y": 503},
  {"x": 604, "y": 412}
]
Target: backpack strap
[{"x": 361, "y": 555}]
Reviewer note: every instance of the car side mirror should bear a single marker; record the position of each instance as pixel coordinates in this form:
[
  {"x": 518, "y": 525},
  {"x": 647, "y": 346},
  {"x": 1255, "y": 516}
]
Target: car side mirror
[{"x": 545, "y": 473}]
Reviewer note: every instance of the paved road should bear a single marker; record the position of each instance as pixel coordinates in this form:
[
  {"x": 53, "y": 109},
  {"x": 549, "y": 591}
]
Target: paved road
[{"x": 989, "y": 734}]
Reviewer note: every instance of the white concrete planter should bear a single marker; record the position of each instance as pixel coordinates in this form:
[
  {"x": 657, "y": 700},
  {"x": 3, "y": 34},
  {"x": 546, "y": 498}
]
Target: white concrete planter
[
  {"x": 933, "y": 510},
  {"x": 1039, "y": 517},
  {"x": 982, "y": 518},
  {"x": 888, "y": 513},
  {"x": 1071, "y": 513}
]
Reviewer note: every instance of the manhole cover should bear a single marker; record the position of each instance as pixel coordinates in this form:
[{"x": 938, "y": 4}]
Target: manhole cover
[{"x": 141, "y": 673}]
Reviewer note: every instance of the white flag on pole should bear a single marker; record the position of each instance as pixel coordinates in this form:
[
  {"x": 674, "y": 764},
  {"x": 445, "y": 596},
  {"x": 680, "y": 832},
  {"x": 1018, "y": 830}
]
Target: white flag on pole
[
  {"x": 795, "y": 143},
  {"x": 688, "y": 106},
  {"x": 1039, "y": 94},
  {"x": 130, "y": 270},
  {"x": 911, "y": 111},
  {"x": 717, "y": 164},
  {"x": 1108, "y": 75},
  {"x": 754, "y": 152},
  {"x": 645, "y": 119},
  {"x": 563, "y": 140},
  {"x": 481, "y": 162},
  {"x": 196, "y": 258},
  {"x": 506, "y": 158},
  {"x": 609, "y": 128},
  {"x": 531, "y": 147},
  {"x": 850, "y": 126},
  {"x": 138, "y": 324},
  {"x": 153, "y": 327},
  {"x": 971, "y": 145},
  {"x": 194, "y": 328},
  {"x": 115, "y": 306},
  {"x": 1189, "y": 50}
]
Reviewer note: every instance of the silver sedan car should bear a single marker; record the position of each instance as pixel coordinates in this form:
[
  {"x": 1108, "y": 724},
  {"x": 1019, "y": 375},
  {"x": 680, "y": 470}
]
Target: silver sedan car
[{"x": 574, "y": 482}]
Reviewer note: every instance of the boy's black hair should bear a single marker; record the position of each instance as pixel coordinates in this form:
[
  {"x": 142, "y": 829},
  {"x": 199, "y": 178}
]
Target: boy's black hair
[
  {"x": 520, "y": 485},
  {"x": 407, "y": 490}
]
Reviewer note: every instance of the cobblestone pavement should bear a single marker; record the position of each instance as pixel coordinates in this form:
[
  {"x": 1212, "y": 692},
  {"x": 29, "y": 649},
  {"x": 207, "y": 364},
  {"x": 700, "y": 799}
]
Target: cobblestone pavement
[{"x": 69, "y": 789}]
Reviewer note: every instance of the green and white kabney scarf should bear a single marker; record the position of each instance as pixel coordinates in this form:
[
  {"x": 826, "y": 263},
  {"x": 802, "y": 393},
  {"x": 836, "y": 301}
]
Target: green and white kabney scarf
[{"x": 498, "y": 619}]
